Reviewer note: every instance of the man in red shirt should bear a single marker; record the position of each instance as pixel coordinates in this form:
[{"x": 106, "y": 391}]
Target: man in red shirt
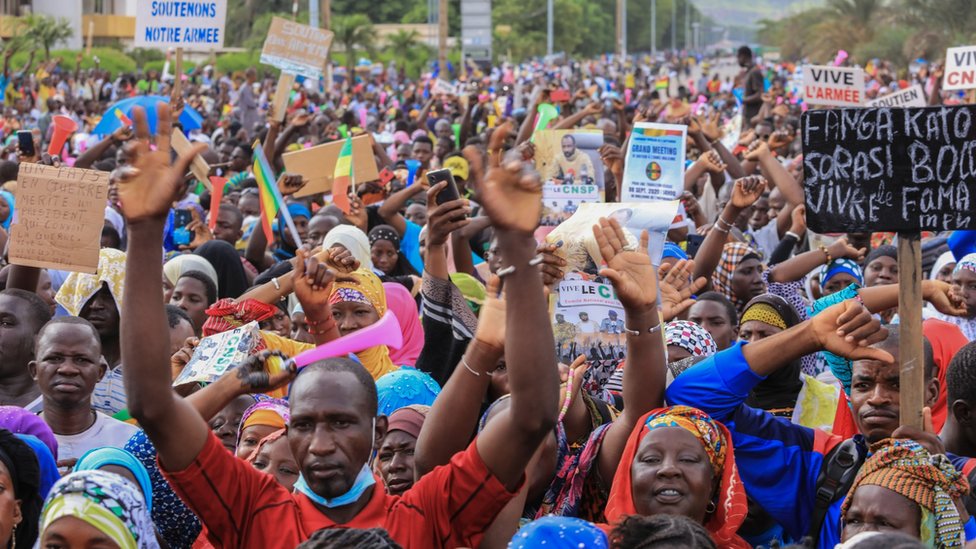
[{"x": 333, "y": 427}]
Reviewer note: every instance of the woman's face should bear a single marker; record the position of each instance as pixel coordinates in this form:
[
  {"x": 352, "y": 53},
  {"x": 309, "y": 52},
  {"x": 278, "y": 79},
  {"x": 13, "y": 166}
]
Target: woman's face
[
  {"x": 964, "y": 282},
  {"x": 882, "y": 270},
  {"x": 191, "y": 295},
  {"x": 74, "y": 533},
  {"x": 351, "y": 316},
  {"x": 279, "y": 323},
  {"x": 299, "y": 328},
  {"x": 676, "y": 353},
  {"x": 877, "y": 509},
  {"x": 276, "y": 459},
  {"x": 384, "y": 256},
  {"x": 10, "y": 515},
  {"x": 715, "y": 319},
  {"x": 395, "y": 461},
  {"x": 945, "y": 273},
  {"x": 227, "y": 421},
  {"x": 167, "y": 290},
  {"x": 837, "y": 283},
  {"x": 250, "y": 438},
  {"x": 754, "y": 330},
  {"x": 747, "y": 279},
  {"x": 671, "y": 475}
]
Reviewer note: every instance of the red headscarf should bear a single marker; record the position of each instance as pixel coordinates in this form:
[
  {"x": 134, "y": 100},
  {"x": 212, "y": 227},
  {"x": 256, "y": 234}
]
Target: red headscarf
[{"x": 731, "y": 507}]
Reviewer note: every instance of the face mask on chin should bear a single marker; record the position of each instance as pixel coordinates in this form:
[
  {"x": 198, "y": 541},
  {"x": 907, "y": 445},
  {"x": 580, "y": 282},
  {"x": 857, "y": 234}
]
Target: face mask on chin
[{"x": 364, "y": 480}]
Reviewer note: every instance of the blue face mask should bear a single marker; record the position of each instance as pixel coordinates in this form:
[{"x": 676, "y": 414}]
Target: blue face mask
[{"x": 363, "y": 481}]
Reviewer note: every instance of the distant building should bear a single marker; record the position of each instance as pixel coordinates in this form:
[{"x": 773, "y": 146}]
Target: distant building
[{"x": 110, "y": 21}]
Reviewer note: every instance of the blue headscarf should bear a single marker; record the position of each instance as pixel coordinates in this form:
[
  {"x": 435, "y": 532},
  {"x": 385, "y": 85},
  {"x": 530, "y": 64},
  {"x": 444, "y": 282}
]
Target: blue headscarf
[
  {"x": 45, "y": 461},
  {"x": 295, "y": 209},
  {"x": 9, "y": 198},
  {"x": 841, "y": 266},
  {"x": 559, "y": 533},
  {"x": 404, "y": 387},
  {"x": 673, "y": 250},
  {"x": 97, "y": 458}
]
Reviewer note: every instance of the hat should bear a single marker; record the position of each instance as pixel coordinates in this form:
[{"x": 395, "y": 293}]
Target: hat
[{"x": 458, "y": 166}]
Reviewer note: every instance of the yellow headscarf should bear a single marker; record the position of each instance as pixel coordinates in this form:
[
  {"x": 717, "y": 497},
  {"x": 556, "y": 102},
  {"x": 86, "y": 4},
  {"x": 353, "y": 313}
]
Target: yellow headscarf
[
  {"x": 78, "y": 288},
  {"x": 366, "y": 288}
]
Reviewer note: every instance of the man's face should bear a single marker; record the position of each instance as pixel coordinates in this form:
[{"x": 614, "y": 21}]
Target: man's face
[
  {"x": 964, "y": 282},
  {"x": 877, "y": 509},
  {"x": 569, "y": 147},
  {"x": 584, "y": 317},
  {"x": 875, "y": 398},
  {"x": 715, "y": 319},
  {"x": 331, "y": 432},
  {"x": 226, "y": 151},
  {"x": 16, "y": 334},
  {"x": 417, "y": 213},
  {"x": 102, "y": 312},
  {"x": 423, "y": 152},
  {"x": 68, "y": 364},
  {"x": 238, "y": 160},
  {"x": 228, "y": 227},
  {"x": 249, "y": 205},
  {"x": 178, "y": 335},
  {"x": 744, "y": 60}
]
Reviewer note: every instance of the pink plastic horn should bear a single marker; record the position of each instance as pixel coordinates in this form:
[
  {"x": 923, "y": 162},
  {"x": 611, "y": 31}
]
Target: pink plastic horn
[
  {"x": 384, "y": 332},
  {"x": 63, "y": 127}
]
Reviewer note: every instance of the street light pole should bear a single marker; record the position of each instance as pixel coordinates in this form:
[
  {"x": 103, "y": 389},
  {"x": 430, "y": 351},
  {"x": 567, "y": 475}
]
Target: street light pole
[
  {"x": 674, "y": 25},
  {"x": 442, "y": 38},
  {"x": 653, "y": 27},
  {"x": 549, "y": 27}
]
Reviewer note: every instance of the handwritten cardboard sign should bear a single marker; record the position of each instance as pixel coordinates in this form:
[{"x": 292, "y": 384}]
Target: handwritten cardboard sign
[
  {"x": 833, "y": 86},
  {"x": 655, "y": 164},
  {"x": 191, "y": 25},
  {"x": 890, "y": 169},
  {"x": 317, "y": 164},
  {"x": 960, "y": 69},
  {"x": 218, "y": 353},
  {"x": 60, "y": 215},
  {"x": 296, "y": 48},
  {"x": 443, "y": 87},
  {"x": 908, "y": 97}
]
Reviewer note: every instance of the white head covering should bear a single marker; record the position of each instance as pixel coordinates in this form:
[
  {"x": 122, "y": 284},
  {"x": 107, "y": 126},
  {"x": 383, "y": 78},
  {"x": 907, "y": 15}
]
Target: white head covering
[
  {"x": 942, "y": 261},
  {"x": 182, "y": 264},
  {"x": 352, "y": 239}
]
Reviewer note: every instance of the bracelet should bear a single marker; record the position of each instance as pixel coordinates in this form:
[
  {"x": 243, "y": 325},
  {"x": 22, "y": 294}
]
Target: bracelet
[
  {"x": 826, "y": 253},
  {"x": 569, "y": 398},
  {"x": 505, "y": 271},
  {"x": 651, "y": 330},
  {"x": 321, "y": 327},
  {"x": 275, "y": 282},
  {"x": 794, "y": 235},
  {"x": 728, "y": 226},
  {"x": 720, "y": 229},
  {"x": 464, "y": 362}
]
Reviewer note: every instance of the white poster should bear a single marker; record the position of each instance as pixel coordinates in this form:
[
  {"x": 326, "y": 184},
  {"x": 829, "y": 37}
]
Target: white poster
[
  {"x": 908, "y": 97},
  {"x": 833, "y": 86},
  {"x": 655, "y": 165},
  {"x": 960, "y": 69},
  {"x": 187, "y": 24}
]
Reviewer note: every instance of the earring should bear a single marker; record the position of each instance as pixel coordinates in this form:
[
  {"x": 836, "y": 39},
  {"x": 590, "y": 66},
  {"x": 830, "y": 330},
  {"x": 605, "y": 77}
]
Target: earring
[
  {"x": 13, "y": 538},
  {"x": 710, "y": 508}
]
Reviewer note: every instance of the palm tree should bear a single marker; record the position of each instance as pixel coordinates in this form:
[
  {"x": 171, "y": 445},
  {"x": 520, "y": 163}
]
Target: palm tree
[
  {"x": 353, "y": 31},
  {"x": 47, "y": 31}
]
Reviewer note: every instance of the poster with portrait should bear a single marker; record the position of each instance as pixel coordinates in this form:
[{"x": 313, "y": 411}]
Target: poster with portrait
[
  {"x": 587, "y": 318},
  {"x": 655, "y": 164},
  {"x": 568, "y": 161}
]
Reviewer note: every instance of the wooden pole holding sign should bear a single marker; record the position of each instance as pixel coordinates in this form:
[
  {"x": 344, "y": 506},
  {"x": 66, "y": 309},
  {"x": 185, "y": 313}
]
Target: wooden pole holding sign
[
  {"x": 910, "y": 350},
  {"x": 282, "y": 92},
  {"x": 198, "y": 166},
  {"x": 178, "y": 76},
  {"x": 91, "y": 35}
]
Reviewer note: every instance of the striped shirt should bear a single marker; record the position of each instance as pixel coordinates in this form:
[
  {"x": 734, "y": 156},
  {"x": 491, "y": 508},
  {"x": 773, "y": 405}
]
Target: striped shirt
[{"x": 109, "y": 394}]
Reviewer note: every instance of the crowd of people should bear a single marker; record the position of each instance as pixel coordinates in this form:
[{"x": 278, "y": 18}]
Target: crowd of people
[{"x": 751, "y": 398}]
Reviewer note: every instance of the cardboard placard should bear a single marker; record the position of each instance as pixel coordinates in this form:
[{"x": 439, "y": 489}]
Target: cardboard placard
[
  {"x": 655, "y": 165},
  {"x": 317, "y": 164},
  {"x": 890, "y": 169},
  {"x": 197, "y": 25},
  {"x": 282, "y": 94},
  {"x": 833, "y": 86},
  {"x": 60, "y": 215},
  {"x": 443, "y": 87},
  {"x": 960, "y": 69},
  {"x": 198, "y": 166},
  {"x": 913, "y": 96},
  {"x": 218, "y": 353},
  {"x": 296, "y": 48}
]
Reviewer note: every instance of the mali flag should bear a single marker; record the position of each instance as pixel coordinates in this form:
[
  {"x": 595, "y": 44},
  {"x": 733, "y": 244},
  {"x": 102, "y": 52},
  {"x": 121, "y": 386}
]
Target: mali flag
[
  {"x": 271, "y": 199},
  {"x": 342, "y": 178}
]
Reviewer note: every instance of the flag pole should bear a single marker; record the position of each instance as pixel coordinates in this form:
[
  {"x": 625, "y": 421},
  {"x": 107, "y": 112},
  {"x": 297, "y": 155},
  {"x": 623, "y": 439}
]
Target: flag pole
[{"x": 283, "y": 210}]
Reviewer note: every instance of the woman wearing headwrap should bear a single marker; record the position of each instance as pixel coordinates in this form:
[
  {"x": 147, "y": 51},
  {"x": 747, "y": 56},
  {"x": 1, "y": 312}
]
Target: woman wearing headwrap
[
  {"x": 176, "y": 267},
  {"x": 708, "y": 490},
  {"x": 738, "y": 275},
  {"x": 685, "y": 339},
  {"x": 353, "y": 240},
  {"x": 18, "y": 420},
  {"x": 125, "y": 464},
  {"x": 404, "y": 307},
  {"x": 286, "y": 248},
  {"x": 404, "y": 387},
  {"x": 226, "y": 262},
  {"x": 90, "y": 505},
  {"x": 45, "y": 462},
  {"x": 762, "y": 317},
  {"x": 943, "y": 267},
  {"x": 394, "y": 459},
  {"x": 839, "y": 274},
  {"x": 904, "y": 486},
  {"x": 20, "y": 504},
  {"x": 559, "y": 533},
  {"x": 359, "y": 301},
  {"x": 7, "y": 204},
  {"x": 259, "y": 421},
  {"x": 273, "y": 456},
  {"x": 384, "y": 249},
  {"x": 881, "y": 266},
  {"x": 964, "y": 285}
]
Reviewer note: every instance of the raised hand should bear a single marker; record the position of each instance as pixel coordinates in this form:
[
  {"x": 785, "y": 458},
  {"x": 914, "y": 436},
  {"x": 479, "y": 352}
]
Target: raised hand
[
  {"x": 291, "y": 183},
  {"x": 613, "y": 158},
  {"x": 340, "y": 260},
  {"x": 313, "y": 284},
  {"x": 677, "y": 288},
  {"x": 798, "y": 220},
  {"x": 149, "y": 184},
  {"x": 512, "y": 198},
  {"x": 757, "y": 150},
  {"x": 122, "y": 134},
  {"x": 848, "y": 329},
  {"x": 253, "y": 375},
  {"x": 201, "y": 232},
  {"x": 712, "y": 162},
  {"x": 630, "y": 272},
  {"x": 594, "y": 109},
  {"x": 944, "y": 298},
  {"x": 780, "y": 138},
  {"x": 747, "y": 190},
  {"x": 179, "y": 359},
  {"x": 552, "y": 265},
  {"x": 840, "y": 248},
  {"x": 444, "y": 219},
  {"x": 491, "y": 318},
  {"x": 357, "y": 214},
  {"x": 710, "y": 127},
  {"x": 497, "y": 142}
]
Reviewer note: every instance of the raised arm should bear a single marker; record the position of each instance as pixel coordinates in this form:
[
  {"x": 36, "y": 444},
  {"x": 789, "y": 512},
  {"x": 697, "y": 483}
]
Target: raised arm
[
  {"x": 745, "y": 193},
  {"x": 776, "y": 173},
  {"x": 390, "y": 209},
  {"x": 96, "y": 151},
  {"x": 593, "y": 109},
  {"x": 798, "y": 266}
]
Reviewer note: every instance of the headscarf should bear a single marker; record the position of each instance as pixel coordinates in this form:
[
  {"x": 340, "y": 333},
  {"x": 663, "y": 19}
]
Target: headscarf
[
  {"x": 285, "y": 251},
  {"x": 674, "y": 251},
  {"x": 106, "y": 501},
  {"x": 352, "y": 239},
  {"x": 404, "y": 307},
  {"x": 271, "y": 413},
  {"x": 905, "y": 467},
  {"x": 266, "y": 440},
  {"x": 226, "y": 263},
  {"x": 731, "y": 507},
  {"x": 778, "y": 392},
  {"x": 95, "y": 459},
  {"x": 471, "y": 288},
  {"x": 942, "y": 261},
  {"x": 8, "y": 197},
  {"x": 79, "y": 288},
  {"x": 886, "y": 250},
  {"x": 46, "y": 464},
  {"x": 21, "y": 462},
  {"x": 184, "y": 263},
  {"x": 733, "y": 254},
  {"x": 559, "y": 533},
  {"x": 384, "y": 232},
  {"x": 18, "y": 420},
  {"x": 409, "y": 419},
  {"x": 116, "y": 220},
  {"x": 404, "y": 387},
  {"x": 967, "y": 263},
  {"x": 690, "y": 337},
  {"x": 365, "y": 287},
  {"x": 838, "y": 266}
]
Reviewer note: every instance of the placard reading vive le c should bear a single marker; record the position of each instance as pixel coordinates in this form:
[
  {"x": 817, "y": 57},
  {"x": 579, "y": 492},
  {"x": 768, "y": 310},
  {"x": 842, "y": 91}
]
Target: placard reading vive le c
[{"x": 889, "y": 169}]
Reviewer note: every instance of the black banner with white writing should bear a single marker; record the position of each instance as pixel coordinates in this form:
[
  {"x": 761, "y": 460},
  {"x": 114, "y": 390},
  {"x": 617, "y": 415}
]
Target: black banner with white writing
[{"x": 889, "y": 169}]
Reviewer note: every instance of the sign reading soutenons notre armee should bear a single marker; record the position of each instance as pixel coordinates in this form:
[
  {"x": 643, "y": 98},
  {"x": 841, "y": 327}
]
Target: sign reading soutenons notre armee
[
  {"x": 296, "y": 48},
  {"x": 187, "y": 24},
  {"x": 60, "y": 215},
  {"x": 833, "y": 86},
  {"x": 890, "y": 169},
  {"x": 908, "y": 97}
]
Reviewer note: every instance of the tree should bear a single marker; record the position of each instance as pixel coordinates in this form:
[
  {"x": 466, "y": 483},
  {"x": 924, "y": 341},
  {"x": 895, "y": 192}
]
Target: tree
[
  {"x": 351, "y": 32},
  {"x": 47, "y": 32},
  {"x": 403, "y": 46}
]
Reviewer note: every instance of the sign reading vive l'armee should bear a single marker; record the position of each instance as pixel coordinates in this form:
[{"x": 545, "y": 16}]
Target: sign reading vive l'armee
[{"x": 890, "y": 169}]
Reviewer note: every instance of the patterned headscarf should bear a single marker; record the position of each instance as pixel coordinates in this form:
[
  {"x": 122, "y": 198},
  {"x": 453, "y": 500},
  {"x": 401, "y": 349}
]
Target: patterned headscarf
[
  {"x": 732, "y": 254},
  {"x": 95, "y": 459},
  {"x": 559, "y": 533},
  {"x": 968, "y": 263},
  {"x": 266, "y": 440},
  {"x": 765, "y": 313},
  {"x": 384, "y": 232},
  {"x": 80, "y": 287},
  {"x": 363, "y": 286},
  {"x": 272, "y": 413},
  {"x": 690, "y": 337},
  {"x": 841, "y": 266},
  {"x": 731, "y": 507},
  {"x": 106, "y": 501},
  {"x": 905, "y": 467},
  {"x": 404, "y": 387}
]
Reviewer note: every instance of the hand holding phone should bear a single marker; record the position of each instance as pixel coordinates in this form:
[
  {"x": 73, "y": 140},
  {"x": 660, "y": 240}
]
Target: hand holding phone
[{"x": 450, "y": 192}]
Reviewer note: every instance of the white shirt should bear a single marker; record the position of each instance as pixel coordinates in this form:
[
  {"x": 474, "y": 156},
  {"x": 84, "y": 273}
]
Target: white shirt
[{"x": 104, "y": 432}]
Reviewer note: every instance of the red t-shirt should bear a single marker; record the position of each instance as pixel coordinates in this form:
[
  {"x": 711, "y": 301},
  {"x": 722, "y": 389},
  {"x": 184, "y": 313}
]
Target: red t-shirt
[{"x": 242, "y": 507}]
